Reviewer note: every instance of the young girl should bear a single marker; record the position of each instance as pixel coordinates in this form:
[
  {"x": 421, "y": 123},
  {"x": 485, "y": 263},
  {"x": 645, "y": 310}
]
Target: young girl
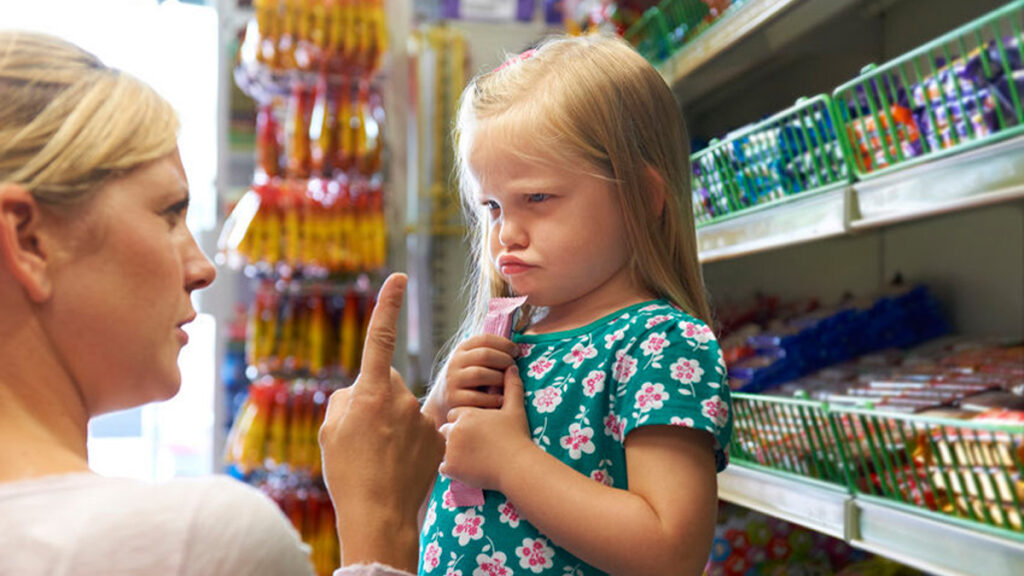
[{"x": 603, "y": 458}]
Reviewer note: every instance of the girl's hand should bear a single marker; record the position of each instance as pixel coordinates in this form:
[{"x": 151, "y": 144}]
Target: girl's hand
[
  {"x": 474, "y": 376},
  {"x": 483, "y": 444}
]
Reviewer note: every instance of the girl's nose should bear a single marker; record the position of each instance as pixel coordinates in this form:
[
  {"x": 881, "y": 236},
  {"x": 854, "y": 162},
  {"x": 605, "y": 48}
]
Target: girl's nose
[{"x": 511, "y": 233}]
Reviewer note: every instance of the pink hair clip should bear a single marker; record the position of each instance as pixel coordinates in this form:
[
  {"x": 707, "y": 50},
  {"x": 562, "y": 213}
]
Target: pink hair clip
[{"x": 516, "y": 58}]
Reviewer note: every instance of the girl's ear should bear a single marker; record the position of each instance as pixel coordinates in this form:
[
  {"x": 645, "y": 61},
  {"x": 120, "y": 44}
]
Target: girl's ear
[
  {"x": 658, "y": 189},
  {"x": 22, "y": 250}
]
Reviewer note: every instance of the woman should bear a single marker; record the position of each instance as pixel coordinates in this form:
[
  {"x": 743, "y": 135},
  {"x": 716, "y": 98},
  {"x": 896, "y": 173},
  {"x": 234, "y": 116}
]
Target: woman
[{"x": 96, "y": 271}]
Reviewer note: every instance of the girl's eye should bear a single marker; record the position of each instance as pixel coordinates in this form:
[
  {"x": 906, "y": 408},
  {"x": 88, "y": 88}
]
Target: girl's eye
[
  {"x": 493, "y": 207},
  {"x": 538, "y": 197}
]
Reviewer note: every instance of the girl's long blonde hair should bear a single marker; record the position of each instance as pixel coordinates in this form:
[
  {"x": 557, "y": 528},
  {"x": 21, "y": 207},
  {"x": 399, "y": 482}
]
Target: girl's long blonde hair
[
  {"x": 68, "y": 123},
  {"x": 590, "y": 101}
]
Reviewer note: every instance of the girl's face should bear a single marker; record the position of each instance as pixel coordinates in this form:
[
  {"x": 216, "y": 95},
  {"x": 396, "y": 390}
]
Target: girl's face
[
  {"x": 556, "y": 235},
  {"x": 121, "y": 287}
]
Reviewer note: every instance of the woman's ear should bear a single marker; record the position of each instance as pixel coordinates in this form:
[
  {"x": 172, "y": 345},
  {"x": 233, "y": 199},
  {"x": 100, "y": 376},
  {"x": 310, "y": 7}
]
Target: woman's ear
[
  {"x": 22, "y": 250},
  {"x": 658, "y": 190}
]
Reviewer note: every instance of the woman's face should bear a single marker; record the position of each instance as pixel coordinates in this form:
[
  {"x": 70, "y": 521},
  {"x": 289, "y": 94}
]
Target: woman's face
[{"x": 121, "y": 287}]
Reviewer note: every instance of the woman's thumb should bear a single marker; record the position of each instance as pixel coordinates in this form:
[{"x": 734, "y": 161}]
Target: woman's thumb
[{"x": 513, "y": 389}]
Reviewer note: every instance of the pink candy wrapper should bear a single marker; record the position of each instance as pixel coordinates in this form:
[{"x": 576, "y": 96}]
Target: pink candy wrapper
[{"x": 498, "y": 322}]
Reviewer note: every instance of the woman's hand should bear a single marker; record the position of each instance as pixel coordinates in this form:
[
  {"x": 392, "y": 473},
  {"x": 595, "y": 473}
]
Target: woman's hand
[
  {"x": 380, "y": 453},
  {"x": 474, "y": 376},
  {"x": 484, "y": 445}
]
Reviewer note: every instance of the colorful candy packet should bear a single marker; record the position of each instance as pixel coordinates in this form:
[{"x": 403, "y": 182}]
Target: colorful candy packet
[{"x": 498, "y": 322}]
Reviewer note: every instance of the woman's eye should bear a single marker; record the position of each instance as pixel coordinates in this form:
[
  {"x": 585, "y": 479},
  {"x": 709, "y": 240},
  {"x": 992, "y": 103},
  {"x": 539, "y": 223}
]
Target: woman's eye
[{"x": 176, "y": 213}]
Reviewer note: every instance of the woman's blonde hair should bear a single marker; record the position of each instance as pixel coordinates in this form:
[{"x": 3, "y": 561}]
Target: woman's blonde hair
[
  {"x": 68, "y": 123},
  {"x": 590, "y": 101}
]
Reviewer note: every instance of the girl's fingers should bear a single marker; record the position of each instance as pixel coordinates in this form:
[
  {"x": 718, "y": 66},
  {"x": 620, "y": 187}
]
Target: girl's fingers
[
  {"x": 492, "y": 342},
  {"x": 486, "y": 357},
  {"x": 478, "y": 399}
]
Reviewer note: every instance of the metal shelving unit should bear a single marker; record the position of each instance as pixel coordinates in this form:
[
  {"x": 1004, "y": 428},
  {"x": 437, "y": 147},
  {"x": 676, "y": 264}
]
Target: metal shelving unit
[{"x": 746, "y": 35}]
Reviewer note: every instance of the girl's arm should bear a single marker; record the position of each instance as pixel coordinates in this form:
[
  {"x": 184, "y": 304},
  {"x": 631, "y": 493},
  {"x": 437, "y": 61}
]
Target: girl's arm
[{"x": 662, "y": 525}]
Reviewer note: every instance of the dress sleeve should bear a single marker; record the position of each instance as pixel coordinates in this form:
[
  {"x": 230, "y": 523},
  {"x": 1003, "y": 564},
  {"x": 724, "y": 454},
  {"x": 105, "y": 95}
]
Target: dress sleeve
[{"x": 673, "y": 373}]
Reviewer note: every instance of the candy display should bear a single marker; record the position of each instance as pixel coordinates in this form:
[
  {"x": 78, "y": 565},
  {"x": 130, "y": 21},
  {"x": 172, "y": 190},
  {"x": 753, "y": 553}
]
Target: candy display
[
  {"x": 959, "y": 89},
  {"x": 336, "y": 36},
  {"x": 307, "y": 333},
  {"x": 315, "y": 228},
  {"x": 790, "y": 347},
  {"x": 666, "y": 28},
  {"x": 310, "y": 236}
]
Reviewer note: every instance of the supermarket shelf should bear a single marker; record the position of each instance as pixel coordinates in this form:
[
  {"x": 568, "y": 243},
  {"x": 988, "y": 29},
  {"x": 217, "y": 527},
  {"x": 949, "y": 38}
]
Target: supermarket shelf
[
  {"x": 751, "y": 33},
  {"x": 812, "y": 504},
  {"x": 900, "y": 533},
  {"x": 798, "y": 220},
  {"x": 986, "y": 175},
  {"x": 931, "y": 545}
]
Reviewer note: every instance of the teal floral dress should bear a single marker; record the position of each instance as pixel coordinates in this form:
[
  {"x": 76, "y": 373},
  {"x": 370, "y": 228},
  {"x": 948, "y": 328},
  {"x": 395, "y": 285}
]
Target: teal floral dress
[{"x": 585, "y": 391}]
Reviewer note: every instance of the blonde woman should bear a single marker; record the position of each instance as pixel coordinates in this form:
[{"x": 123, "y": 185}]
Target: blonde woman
[
  {"x": 96, "y": 270},
  {"x": 615, "y": 415}
]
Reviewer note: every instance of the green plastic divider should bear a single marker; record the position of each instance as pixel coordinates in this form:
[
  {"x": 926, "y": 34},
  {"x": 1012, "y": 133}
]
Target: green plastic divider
[
  {"x": 955, "y": 93},
  {"x": 795, "y": 152}
]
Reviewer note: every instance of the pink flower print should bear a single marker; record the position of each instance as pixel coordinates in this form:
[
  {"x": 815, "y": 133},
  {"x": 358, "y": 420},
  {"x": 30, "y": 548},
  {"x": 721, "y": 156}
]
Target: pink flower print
[
  {"x": 430, "y": 517},
  {"x": 685, "y": 422},
  {"x": 686, "y": 371},
  {"x": 577, "y": 442},
  {"x": 467, "y": 527},
  {"x": 611, "y": 339},
  {"x": 535, "y": 554},
  {"x": 540, "y": 366},
  {"x": 655, "y": 320},
  {"x": 613, "y": 426},
  {"x": 651, "y": 307},
  {"x": 624, "y": 367},
  {"x": 448, "y": 500},
  {"x": 602, "y": 477},
  {"x": 547, "y": 399},
  {"x": 431, "y": 557},
  {"x": 716, "y": 410},
  {"x": 654, "y": 344},
  {"x": 650, "y": 397},
  {"x": 509, "y": 514},
  {"x": 593, "y": 383},
  {"x": 492, "y": 565},
  {"x": 525, "y": 349},
  {"x": 453, "y": 572},
  {"x": 579, "y": 353},
  {"x": 700, "y": 333}
]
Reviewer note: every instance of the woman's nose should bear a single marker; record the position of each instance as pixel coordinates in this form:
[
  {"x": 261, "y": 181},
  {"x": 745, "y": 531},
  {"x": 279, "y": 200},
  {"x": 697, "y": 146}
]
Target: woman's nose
[{"x": 199, "y": 271}]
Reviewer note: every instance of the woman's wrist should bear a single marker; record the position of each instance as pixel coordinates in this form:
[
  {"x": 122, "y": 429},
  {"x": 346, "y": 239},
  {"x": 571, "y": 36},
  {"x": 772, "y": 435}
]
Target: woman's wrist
[{"x": 377, "y": 538}]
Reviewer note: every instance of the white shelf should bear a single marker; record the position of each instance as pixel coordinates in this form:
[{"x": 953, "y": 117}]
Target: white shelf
[
  {"x": 909, "y": 537},
  {"x": 931, "y": 545},
  {"x": 816, "y": 217},
  {"x": 988, "y": 175},
  {"x": 816, "y": 506},
  {"x": 743, "y": 38}
]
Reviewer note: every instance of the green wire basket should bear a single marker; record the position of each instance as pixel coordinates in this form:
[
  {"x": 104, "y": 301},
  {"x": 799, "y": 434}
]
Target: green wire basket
[
  {"x": 957, "y": 92},
  {"x": 795, "y": 152},
  {"x": 963, "y": 471},
  {"x": 789, "y": 435},
  {"x": 966, "y": 472}
]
